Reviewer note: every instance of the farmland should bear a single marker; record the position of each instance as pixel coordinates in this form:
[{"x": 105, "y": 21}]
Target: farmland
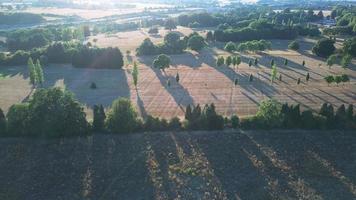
[{"x": 204, "y": 165}]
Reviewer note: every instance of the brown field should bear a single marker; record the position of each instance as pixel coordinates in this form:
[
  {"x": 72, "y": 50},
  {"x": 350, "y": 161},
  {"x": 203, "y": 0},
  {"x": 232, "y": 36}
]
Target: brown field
[
  {"x": 256, "y": 165},
  {"x": 201, "y": 82}
]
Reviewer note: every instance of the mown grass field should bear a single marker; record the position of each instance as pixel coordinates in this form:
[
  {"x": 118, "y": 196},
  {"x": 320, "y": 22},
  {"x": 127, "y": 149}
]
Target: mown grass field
[
  {"x": 201, "y": 81},
  {"x": 200, "y": 165}
]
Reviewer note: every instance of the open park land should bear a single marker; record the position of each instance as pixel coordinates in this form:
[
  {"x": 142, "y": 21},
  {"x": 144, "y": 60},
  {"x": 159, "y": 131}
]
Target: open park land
[{"x": 201, "y": 81}]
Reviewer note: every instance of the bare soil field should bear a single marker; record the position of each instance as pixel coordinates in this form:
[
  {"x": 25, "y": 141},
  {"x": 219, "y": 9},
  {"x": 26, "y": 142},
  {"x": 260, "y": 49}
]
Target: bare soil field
[
  {"x": 201, "y": 81},
  {"x": 255, "y": 165}
]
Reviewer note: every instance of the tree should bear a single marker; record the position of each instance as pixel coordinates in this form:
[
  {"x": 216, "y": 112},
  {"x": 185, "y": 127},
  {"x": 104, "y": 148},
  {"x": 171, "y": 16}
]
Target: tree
[
  {"x": 294, "y": 45},
  {"x": 350, "y": 112},
  {"x": 238, "y": 60},
  {"x": 17, "y": 120},
  {"x": 146, "y": 48},
  {"x": 2, "y": 123},
  {"x": 122, "y": 117},
  {"x": 162, "y": 62},
  {"x": 272, "y": 62},
  {"x": 228, "y": 61},
  {"x": 298, "y": 81},
  {"x": 235, "y": 121},
  {"x": 250, "y": 78},
  {"x": 345, "y": 61},
  {"x": 234, "y": 61},
  {"x": 170, "y": 24},
  {"x": 188, "y": 113},
  {"x": 220, "y": 61},
  {"x": 273, "y": 73},
  {"x": 230, "y": 47},
  {"x": 307, "y": 77},
  {"x": 270, "y": 113},
  {"x": 324, "y": 47},
  {"x": 256, "y": 61},
  {"x": 345, "y": 78},
  {"x": 338, "y": 79},
  {"x": 153, "y": 30},
  {"x": 331, "y": 60},
  {"x": 209, "y": 36},
  {"x": 177, "y": 78},
  {"x": 39, "y": 72},
  {"x": 250, "y": 63},
  {"x": 280, "y": 77},
  {"x": 99, "y": 118},
  {"x": 303, "y": 63},
  {"x": 285, "y": 62},
  {"x": 32, "y": 71},
  {"x": 135, "y": 74},
  {"x": 329, "y": 79},
  {"x": 236, "y": 81},
  {"x": 196, "y": 42}
]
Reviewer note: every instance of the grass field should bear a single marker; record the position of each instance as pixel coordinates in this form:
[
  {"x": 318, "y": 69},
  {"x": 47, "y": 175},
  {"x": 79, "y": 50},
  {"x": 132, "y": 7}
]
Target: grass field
[
  {"x": 201, "y": 81},
  {"x": 200, "y": 165}
]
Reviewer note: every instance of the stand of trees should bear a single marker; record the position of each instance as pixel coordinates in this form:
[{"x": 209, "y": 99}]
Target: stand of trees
[
  {"x": 68, "y": 53},
  {"x": 20, "y": 18},
  {"x": 55, "y": 113}
]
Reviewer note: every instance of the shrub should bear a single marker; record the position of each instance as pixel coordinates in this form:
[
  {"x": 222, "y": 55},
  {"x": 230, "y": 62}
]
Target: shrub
[
  {"x": 294, "y": 45},
  {"x": 122, "y": 117}
]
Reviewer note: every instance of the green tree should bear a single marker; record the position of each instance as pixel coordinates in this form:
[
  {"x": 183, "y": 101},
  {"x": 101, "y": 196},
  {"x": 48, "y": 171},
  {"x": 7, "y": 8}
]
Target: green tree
[
  {"x": 250, "y": 78},
  {"x": 99, "y": 118},
  {"x": 122, "y": 117},
  {"x": 170, "y": 24},
  {"x": 220, "y": 61},
  {"x": 350, "y": 112},
  {"x": 329, "y": 79},
  {"x": 188, "y": 113},
  {"x": 280, "y": 77},
  {"x": 230, "y": 47},
  {"x": 235, "y": 121},
  {"x": 2, "y": 123},
  {"x": 256, "y": 62},
  {"x": 146, "y": 48},
  {"x": 272, "y": 62},
  {"x": 236, "y": 81},
  {"x": 228, "y": 61},
  {"x": 285, "y": 62},
  {"x": 238, "y": 60},
  {"x": 162, "y": 62},
  {"x": 18, "y": 120},
  {"x": 32, "y": 71},
  {"x": 250, "y": 63},
  {"x": 135, "y": 74},
  {"x": 345, "y": 61},
  {"x": 196, "y": 42},
  {"x": 39, "y": 72},
  {"x": 331, "y": 60},
  {"x": 345, "y": 78},
  {"x": 209, "y": 36},
  {"x": 298, "y": 81},
  {"x": 338, "y": 80},
  {"x": 294, "y": 45},
  {"x": 270, "y": 113},
  {"x": 303, "y": 63},
  {"x": 273, "y": 73},
  {"x": 177, "y": 77},
  {"x": 324, "y": 48},
  {"x": 307, "y": 77}
]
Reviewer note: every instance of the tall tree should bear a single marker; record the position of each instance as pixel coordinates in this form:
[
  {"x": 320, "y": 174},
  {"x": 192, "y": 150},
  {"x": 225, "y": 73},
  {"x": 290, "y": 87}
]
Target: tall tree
[
  {"x": 2, "y": 123},
  {"x": 273, "y": 73},
  {"x": 39, "y": 73},
  {"x": 135, "y": 74},
  {"x": 32, "y": 71}
]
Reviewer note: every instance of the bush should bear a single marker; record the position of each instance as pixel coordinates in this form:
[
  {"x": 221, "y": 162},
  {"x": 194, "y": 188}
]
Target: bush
[
  {"x": 324, "y": 48},
  {"x": 122, "y": 117},
  {"x": 294, "y": 45}
]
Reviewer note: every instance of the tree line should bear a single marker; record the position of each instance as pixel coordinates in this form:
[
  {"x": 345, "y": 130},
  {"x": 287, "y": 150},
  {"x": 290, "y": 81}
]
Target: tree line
[
  {"x": 18, "y": 18},
  {"x": 74, "y": 53},
  {"x": 172, "y": 44},
  {"x": 56, "y": 113}
]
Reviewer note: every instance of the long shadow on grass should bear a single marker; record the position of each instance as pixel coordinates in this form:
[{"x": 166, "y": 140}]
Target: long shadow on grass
[
  {"x": 110, "y": 83},
  {"x": 180, "y": 94}
]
